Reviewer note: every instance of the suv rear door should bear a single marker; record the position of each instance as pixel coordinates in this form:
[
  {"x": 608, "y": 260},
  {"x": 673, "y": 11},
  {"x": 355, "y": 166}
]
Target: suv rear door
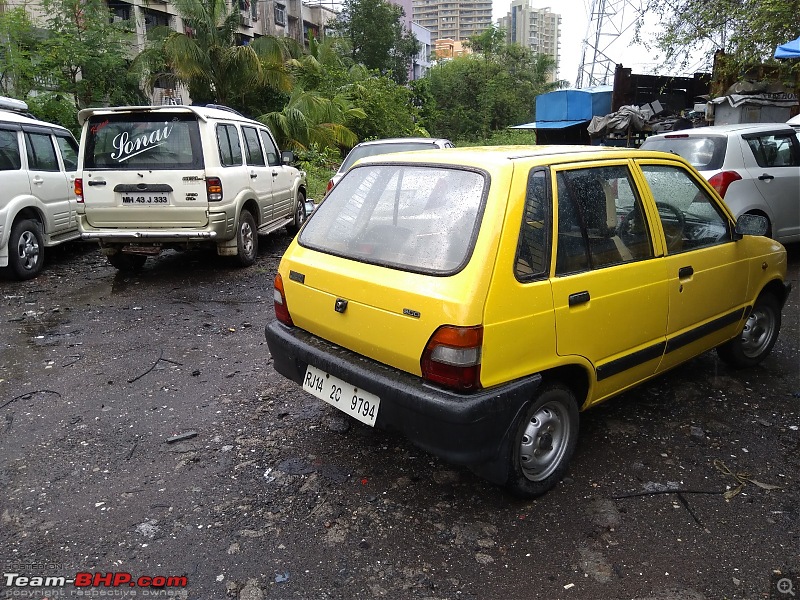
[{"x": 136, "y": 163}]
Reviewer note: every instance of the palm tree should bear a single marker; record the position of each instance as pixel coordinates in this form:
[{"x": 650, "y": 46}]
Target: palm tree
[
  {"x": 311, "y": 119},
  {"x": 207, "y": 58}
]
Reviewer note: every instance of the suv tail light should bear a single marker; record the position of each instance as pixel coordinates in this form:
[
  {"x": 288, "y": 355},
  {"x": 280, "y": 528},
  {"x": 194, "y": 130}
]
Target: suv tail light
[
  {"x": 214, "y": 189},
  {"x": 452, "y": 357},
  {"x": 78, "y": 188},
  {"x": 722, "y": 180},
  {"x": 281, "y": 308}
]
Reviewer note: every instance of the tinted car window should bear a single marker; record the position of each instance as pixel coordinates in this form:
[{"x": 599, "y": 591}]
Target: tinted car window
[
  {"x": 255, "y": 156},
  {"x": 9, "y": 151},
  {"x": 41, "y": 153},
  {"x": 146, "y": 141},
  {"x": 273, "y": 156},
  {"x": 69, "y": 152},
  {"x": 412, "y": 218},
  {"x": 774, "y": 150},
  {"x": 230, "y": 149},
  {"x": 705, "y": 153}
]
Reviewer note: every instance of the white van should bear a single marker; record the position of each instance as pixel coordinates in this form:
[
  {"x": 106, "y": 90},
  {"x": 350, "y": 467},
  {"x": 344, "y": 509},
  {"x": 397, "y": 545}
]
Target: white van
[
  {"x": 157, "y": 177},
  {"x": 38, "y": 163}
]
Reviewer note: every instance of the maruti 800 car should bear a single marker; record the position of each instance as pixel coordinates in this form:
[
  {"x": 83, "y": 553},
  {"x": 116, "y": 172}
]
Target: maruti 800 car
[{"x": 477, "y": 300}]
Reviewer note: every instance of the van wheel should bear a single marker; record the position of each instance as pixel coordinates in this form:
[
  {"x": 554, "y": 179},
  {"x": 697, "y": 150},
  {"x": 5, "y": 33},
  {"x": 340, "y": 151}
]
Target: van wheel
[
  {"x": 246, "y": 240},
  {"x": 300, "y": 214},
  {"x": 25, "y": 249},
  {"x": 758, "y": 336},
  {"x": 544, "y": 442},
  {"x": 127, "y": 262}
]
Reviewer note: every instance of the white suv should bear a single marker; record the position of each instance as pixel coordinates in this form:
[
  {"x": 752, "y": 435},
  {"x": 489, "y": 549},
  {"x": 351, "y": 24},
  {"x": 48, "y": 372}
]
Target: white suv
[
  {"x": 154, "y": 177},
  {"x": 38, "y": 162}
]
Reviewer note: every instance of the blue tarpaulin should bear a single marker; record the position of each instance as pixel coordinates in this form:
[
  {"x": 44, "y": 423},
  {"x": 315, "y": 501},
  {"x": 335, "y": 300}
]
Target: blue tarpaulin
[{"x": 788, "y": 50}]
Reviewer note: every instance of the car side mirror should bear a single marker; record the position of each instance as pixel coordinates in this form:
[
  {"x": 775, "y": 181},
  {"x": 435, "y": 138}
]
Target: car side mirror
[
  {"x": 287, "y": 157},
  {"x": 751, "y": 225}
]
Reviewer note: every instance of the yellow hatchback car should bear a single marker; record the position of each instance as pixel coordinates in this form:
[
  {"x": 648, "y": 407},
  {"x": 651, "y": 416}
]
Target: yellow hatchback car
[{"x": 477, "y": 299}]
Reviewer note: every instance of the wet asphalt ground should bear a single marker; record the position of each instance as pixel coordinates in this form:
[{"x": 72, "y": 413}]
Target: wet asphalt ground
[{"x": 143, "y": 431}]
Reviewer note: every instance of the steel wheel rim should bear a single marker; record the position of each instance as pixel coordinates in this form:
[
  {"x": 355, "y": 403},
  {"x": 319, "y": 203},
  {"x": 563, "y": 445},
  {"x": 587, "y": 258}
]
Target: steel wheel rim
[
  {"x": 544, "y": 441},
  {"x": 247, "y": 238},
  {"x": 300, "y": 217},
  {"x": 28, "y": 250},
  {"x": 758, "y": 331}
]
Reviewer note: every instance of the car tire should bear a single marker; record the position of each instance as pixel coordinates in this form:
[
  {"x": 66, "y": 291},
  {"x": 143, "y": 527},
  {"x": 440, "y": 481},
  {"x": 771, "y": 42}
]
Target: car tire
[
  {"x": 25, "y": 249},
  {"x": 127, "y": 262},
  {"x": 246, "y": 240},
  {"x": 300, "y": 214},
  {"x": 758, "y": 336},
  {"x": 544, "y": 441}
]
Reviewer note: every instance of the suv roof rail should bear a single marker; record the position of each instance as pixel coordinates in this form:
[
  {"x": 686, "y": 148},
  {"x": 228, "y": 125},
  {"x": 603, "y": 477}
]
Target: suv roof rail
[
  {"x": 19, "y": 106},
  {"x": 222, "y": 107}
]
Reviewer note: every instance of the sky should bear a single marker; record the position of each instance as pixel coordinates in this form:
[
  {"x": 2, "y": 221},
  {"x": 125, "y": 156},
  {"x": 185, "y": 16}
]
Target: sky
[{"x": 574, "y": 23}]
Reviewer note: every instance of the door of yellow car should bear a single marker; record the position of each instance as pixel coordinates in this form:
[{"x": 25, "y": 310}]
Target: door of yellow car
[
  {"x": 609, "y": 292},
  {"x": 706, "y": 268}
]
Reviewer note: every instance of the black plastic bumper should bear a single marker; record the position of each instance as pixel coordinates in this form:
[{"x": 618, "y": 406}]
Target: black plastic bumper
[{"x": 468, "y": 429}]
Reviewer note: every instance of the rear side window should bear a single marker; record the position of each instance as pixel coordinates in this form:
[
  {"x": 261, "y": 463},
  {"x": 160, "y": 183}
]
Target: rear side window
[
  {"x": 143, "y": 141},
  {"x": 533, "y": 254},
  {"x": 230, "y": 149},
  {"x": 41, "y": 153},
  {"x": 69, "y": 152},
  {"x": 704, "y": 153},
  {"x": 409, "y": 217},
  {"x": 774, "y": 150},
  {"x": 601, "y": 220},
  {"x": 255, "y": 156},
  {"x": 9, "y": 151}
]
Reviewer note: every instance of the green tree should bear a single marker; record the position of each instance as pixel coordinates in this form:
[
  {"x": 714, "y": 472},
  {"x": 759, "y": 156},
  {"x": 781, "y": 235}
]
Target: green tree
[
  {"x": 311, "y": 120},
  {"x": 745, "y": 32},
  {"x": 476, "y": 95},
  {"x": 74, "y": 50},
  {"x": 209, "y": 59},
  {"x": 17, "y": 67},
  {"x": 377, "y": 38}
]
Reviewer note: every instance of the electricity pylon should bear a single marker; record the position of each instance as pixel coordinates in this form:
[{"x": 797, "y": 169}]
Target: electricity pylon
[{"x": 608, "y": 21}]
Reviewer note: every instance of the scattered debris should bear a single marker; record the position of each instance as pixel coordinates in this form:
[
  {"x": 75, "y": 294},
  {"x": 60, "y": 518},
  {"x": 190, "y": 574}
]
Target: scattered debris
[
  {"x": 28, "y": 396},
  {"x": 160, "y": 358},
  {"x": 181, "y": 437}
]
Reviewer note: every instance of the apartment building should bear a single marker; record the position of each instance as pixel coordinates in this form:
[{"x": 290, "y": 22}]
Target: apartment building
[
  {"x": 453, "y": 19},
  {"x": 281, "y": 18},
  {"x": 536, "y": 28}
]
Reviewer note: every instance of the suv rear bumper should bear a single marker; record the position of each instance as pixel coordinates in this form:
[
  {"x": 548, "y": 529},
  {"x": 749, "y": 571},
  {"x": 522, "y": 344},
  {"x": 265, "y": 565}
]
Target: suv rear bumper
[
  {"x": 219, "y": 228},
  {"x": 468, "y": 429}
]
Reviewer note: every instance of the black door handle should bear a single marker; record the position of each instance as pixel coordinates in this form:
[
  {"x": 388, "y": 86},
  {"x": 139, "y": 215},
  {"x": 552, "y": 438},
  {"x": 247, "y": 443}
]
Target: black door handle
[
  {"x": 94, "y": 182},
  {"x": 579, "y": 298},
  {"x": 685, "y": 272},
  {"x": 766, "y": 177},
  {"x": 253, "y": 175}
]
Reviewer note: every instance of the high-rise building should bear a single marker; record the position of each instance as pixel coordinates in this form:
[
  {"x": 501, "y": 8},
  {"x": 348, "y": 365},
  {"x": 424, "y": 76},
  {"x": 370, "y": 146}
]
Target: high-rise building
[
  {"x": 453, "y": 19},
  {"x": 536, "y": 28}
]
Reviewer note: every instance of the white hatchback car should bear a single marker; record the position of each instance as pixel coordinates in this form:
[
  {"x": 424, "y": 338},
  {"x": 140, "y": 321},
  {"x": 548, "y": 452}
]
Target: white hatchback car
[
  {"x": 38, "y": 161},
  {"x": 755, "y": 167},
  {"x": 385, "y": 146},
  {"x": 157, "y": 177}
]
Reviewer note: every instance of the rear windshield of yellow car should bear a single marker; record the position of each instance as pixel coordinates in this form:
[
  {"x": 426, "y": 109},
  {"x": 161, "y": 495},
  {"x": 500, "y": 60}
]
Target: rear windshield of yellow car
[
  {"x": 148, "y": 140},
  {"x": 409, "y": 217}
]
